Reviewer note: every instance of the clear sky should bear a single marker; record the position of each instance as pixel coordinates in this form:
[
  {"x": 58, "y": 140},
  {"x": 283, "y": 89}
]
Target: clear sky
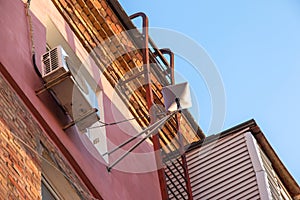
[{"x": 255, "y": 46}]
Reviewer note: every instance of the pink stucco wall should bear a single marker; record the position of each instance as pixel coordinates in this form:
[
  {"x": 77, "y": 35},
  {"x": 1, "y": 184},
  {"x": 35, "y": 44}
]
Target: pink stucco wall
[{"x": 15, "y": 56}]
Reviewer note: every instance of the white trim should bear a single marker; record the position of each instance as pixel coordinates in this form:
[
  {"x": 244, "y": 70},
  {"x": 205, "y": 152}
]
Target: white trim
[{"x": 261, "y": 174}]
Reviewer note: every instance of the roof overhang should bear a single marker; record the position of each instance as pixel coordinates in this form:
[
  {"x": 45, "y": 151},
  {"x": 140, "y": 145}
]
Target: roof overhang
[{"x": 251, "y": 126}]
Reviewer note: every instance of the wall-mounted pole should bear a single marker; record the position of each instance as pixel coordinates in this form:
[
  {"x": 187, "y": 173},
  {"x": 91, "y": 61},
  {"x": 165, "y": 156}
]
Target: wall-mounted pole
[{"x": 149, "y": 98}]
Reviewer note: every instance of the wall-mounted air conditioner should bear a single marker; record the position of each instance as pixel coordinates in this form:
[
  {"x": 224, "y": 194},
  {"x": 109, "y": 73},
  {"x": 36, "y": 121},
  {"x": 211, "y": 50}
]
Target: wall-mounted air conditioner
[
  {"x": 70, "y": 89},
  {"x": 54, "y": 63}
]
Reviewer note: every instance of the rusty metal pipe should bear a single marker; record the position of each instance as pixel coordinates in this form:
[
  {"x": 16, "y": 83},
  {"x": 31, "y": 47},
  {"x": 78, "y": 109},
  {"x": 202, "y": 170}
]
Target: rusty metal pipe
[
  {"x": 182, "y": 152},
  {"x": 171, "y": 54},
  {"x": 149, "y": 98},
  {"x": 145, "y": 50},
  {"x": 158, "y": 52}
]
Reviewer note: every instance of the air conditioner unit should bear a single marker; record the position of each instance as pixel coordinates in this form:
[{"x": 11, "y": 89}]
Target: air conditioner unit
[
  {"x": 71, "y": 90},
  {"x": 54, "y": 63}
]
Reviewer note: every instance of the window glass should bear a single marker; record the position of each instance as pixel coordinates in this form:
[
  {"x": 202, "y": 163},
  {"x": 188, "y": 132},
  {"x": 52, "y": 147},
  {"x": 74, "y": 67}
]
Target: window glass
[{"x": 47, "y": 193}]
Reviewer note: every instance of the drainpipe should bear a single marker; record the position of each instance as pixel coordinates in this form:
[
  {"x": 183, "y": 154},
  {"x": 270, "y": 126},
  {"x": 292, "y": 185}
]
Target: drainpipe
[{"x": 149, "y": 98}]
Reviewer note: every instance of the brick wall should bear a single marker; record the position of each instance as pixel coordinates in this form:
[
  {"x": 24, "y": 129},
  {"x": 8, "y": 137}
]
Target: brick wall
[
  {"x": 20, "y": 141},
  {"x": 17, "y": 168},
  {"x": 119, "y": 57}
]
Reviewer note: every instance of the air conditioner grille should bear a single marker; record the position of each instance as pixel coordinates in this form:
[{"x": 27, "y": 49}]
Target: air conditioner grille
[
  {"x": 47, "y": 63},
  {"x": 54, "y": 59},
  {"x": 72, "y": 97},
  {"x": 46, "y": 56}
]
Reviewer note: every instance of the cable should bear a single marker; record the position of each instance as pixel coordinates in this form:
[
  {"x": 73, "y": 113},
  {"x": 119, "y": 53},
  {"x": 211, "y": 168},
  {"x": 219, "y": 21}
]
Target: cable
[
  {"x": 37, "y": 71},
  {"x": 30, "y": 27},
  {"x": 122, "y": 121},
  {"x": 149, "y": 129}
]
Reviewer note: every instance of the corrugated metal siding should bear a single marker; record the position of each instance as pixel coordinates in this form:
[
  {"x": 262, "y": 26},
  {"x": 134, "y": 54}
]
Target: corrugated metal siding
[{"x": 223, "y": 170}]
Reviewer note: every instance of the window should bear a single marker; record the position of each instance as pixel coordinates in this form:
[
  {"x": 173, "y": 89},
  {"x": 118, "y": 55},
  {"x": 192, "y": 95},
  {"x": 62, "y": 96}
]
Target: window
[
  {"x": 97, "y": 132},
  {"x": 54, "y": 184},
  {"x": 48, "y": 192}
]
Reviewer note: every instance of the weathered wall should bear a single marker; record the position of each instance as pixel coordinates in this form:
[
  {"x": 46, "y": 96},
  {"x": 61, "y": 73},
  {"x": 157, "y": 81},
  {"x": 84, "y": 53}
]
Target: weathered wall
[
  {"x": 20, "y": 158},
  {"x": 16, "y": 67},
  {"x": 20, "y": 175}
]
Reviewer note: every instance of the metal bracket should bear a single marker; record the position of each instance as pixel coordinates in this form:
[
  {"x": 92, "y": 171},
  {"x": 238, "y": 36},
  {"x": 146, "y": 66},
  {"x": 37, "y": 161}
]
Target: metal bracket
[
  {"x": 53, "y": 82},
  {"x": 149, "y": 131},
  {"x": 57, "y": 80},
  {"x": 85, "y": 115}
]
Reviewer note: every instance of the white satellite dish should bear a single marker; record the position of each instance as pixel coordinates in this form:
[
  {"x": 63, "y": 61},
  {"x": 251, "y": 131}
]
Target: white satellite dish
[{"x": 177, "y": 95}]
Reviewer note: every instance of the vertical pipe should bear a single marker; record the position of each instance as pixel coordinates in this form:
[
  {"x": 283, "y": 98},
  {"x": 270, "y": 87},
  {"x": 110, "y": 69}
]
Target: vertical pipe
[
  {"x": 149, "y": 98},
  {"x": 145, "y": 50},
  {"x": 183, "y": 158},
  {"x": 171, "y": 54}
]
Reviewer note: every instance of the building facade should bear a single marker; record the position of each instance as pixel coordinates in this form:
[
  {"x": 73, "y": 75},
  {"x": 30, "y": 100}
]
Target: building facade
[
  {"x": 43, "y": 152},
  {"x": 48, "y": 148},
  {"x": 238, "y": 163}
]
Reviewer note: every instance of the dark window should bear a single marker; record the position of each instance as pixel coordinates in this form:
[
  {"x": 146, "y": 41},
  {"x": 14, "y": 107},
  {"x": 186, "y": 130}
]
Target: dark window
[{"x": 47, "y": 192}]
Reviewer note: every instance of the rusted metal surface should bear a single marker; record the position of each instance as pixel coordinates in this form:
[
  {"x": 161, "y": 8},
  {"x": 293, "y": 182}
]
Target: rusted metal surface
[
  {"x": 171, "y": 54},
  {"x": 149, "y": 98},
  {"x": 89, "y": 24},
  {"x": 183, "y": 159}
]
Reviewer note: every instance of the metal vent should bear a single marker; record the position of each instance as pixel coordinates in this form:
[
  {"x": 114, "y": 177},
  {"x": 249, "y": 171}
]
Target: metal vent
[
  {"x": 47, "y": 63},
  {"x": 53, "y": 60}
]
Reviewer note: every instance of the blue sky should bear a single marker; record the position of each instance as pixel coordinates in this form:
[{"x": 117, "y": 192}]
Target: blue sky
[{"x": 255, "y": 46}]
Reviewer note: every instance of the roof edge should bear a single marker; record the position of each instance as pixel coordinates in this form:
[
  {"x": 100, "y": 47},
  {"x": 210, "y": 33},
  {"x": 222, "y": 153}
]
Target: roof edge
[
  {"x": 243, "y": 126},
  {"x": 280, "y": 169},
  {"x": 128, "y": 25},
  {"x": 251, "y": 125}
]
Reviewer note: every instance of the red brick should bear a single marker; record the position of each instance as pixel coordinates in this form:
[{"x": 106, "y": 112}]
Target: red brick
[
  {"x": 94, "y": 11},
  {"x": 104, "y": 4},
  {"x": 109, "y": 12},
  {"x": 114, "y": 28},
  {"x": 114, "y": 19},
  {"x": 97, "y": 4},
  {"x": 89, "y": 4},
  {"x": 81, "y": 3},
  {"x": 103, "y": 12}
]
